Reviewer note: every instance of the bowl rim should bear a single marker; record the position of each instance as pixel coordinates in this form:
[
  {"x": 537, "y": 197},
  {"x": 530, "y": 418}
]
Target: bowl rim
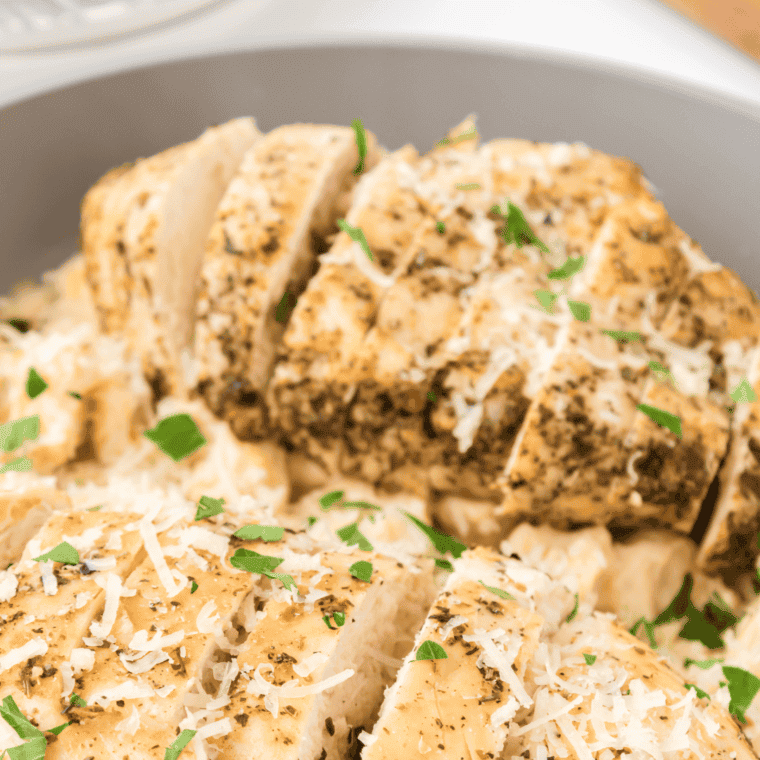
[{"x": 581, "y": 62}]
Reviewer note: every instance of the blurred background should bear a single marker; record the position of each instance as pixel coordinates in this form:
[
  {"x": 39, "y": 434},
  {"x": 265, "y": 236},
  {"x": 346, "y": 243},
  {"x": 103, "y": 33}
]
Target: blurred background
[{"x": 47, "y": 43}]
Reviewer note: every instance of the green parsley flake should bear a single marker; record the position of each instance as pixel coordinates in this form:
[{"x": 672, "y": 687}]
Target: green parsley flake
[
  {"x": 22, "y": 325},
  {"x": 501, "y": 594},
  {"x": 58, "y": 729},
  {"x": 547, "y": 299},
  {"x": 623, "y": 336},
  {"x": 648, "y": 629},
  {"x": 20, "y": 464},
  {"x": 431, "y": 396},
  {"x": 361, "y": 570},
  {"x": 77, "y": 701},
  {"x": 468, "y": 134},
  {"x": 13, "y": 434},
  {"x": 441, "y": 227},
  {"x": 352, "y": 536},
  {"x": 193, "y": 587},
  {"x": 664, "y": 419},
  {"x": 357, "y": 235},
  {"x": 77, "y": 396},
  {"x": 444, "y": 564},
  {"x": 467, "y": 186},
  {"x": 743, "y": 393},
  {"x": 700, "y": 693},
  {"x": 440, "y": 541},
  {"x": 580, "y": 310},
  {"x": 11, "y": 714},
  {"x": 339, "y": 618},
  {"x": 208, "y": 507},
  {"x": 679, "y": 605},
  {"x": 329, "y": 499},
  {"x": 703, "y": 664},
  {"x": 310, "y": 520},
  {"x": 742, "y": 687},
  {"x": 573, "y": 612},
  {"x": 282, "y": 308},
  {"x": 253, "y": 562},
  {"x": 589, "y": 658},
  {"x": 660, "y": 370},
  {"x": 429, "y": 650},
  {"x": 263, "y": 532},
  {"x": 361, "y": 144},
  {"x": 64, "y": 553},
  {"x": 34, "y": 383},
  {"x": 361, "y": 505},
  {"x": 517, "y": 230},
  {"x": 176, "y": 747},
  {"x": 571, "y": 267},
  {"x": 95, "y": 509},
  {"x": 178, "y": 436}
]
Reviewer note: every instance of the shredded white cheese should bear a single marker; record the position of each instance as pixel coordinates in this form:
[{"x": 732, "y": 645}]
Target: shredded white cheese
[{"x": 34, "y": 648}]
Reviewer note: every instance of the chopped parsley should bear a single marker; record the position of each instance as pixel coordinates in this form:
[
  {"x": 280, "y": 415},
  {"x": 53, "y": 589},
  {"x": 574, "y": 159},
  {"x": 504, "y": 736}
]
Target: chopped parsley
[
  {"x": 208, "y": 507},
  {"x": 77, "y": 701},
  {"x": 431, "y": 396},
  {"x": 623, "y": 336},
  {"x": 441, "y": 227},
  {"x": 35, "y": 745},
  {"x": 517, "y": 230},
  {"x": 13, "y": 434},
  {"x": 573, "y": 612},
  {"x": 339, "y": 618},
  {"x": 361, "y": 570},
  {"x": 357, "y": 235},
  {"x": 77, "y": 396},
  {"x": 22, "y": 325},
  {"x": 743, "y": 393},
  {"x": 95, "y": 509},
  {"x": 664, "y": 419},
  {"x": 58, "y": 729},
  {"x": 193, "y": 587},
  {"x": 34, "y": 383},
  {"x": 700, "y": 692},
  {"x": 263, "y": 532},
  {"x": 444, "y": 564},
  {"x": 361, "y": 505},
  {"x": 329, "y": 499},
  {"x": 178, "y": 436},
  {"x": 361, "y": 144},
  {"x": 175, "y": 749},
  {"x": 253, "y": 562},
  {"x": 467, "y": 186},
  {"x": 352, "y": 536},
  {"x": 589, "y": 658},
  {"x": 501, "y": 594},
  {"x": 703, "y": 664},
  {"x": 20, "y": 464},
  {"x": 310, "y": 520},
  {"x": 468, "y": 134},
  {"x": 64, "y": 553},
  {"x": 662, "y": 372},
  {"x": 547, "y": 299},
  {"x": 580, "y": 310},
  {"x": 429, "y": 650},
  {"x": 648, "y": 629},
  {"x": 281, "y": 311},
  {"x": 742, "y": 688},
  {"x": 571, "y": 267},
  {"x": 440, "y": 541}
]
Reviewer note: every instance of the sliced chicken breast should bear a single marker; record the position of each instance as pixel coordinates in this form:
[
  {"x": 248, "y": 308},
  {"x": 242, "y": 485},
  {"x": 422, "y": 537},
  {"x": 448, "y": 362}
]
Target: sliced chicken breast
[{"x": 143, "y": 232}]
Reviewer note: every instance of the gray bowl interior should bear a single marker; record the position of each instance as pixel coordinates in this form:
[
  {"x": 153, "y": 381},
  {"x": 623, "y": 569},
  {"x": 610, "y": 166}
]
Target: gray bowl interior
[{"x": 703, "y": 154}]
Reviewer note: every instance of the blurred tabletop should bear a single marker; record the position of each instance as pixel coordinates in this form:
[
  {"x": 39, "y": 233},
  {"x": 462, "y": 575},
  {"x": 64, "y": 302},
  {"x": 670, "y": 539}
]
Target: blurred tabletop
[{"x": 646, "y": 36}]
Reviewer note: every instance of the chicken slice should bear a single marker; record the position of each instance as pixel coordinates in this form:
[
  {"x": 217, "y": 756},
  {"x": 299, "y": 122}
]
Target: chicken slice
[
  {"x": 143, "y": 231},
  {"x": 312, "y": 671},
  {"x": 730, "y": 544},
  {"x": 457, "y": 707},
  {"x": 162, "y": 637},
  {"x": 47, "y": 608},
  {"x": 270, "y": 226}
]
